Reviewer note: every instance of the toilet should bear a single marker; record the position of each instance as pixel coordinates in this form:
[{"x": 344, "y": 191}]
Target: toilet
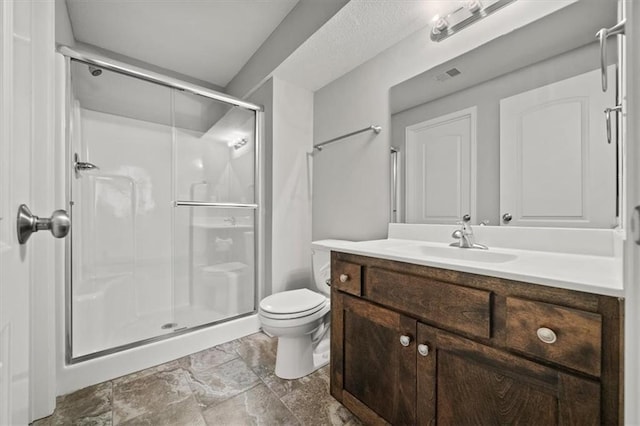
[{"x": 300, "y": 319}]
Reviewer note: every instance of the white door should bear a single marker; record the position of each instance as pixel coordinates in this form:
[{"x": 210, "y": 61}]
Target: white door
[
  {"x": 631, "y": 123},
  {"x": 556, "y": 167},
  {"x": 440, "y": 168},
  {"x": 26, "y": 132}
]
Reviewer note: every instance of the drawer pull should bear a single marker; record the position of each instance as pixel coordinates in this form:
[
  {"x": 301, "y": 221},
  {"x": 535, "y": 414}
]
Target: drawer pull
[
  {"x": 546, "y": 335},
  {"x": 423, "y": 350},
  {"x": 344, "y": 278},
  {"x": 405, "y": 340}
]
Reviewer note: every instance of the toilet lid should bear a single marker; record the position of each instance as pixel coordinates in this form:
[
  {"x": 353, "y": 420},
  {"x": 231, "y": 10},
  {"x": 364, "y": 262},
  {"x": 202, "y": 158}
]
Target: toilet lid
[{"x": 292, "y": 301}]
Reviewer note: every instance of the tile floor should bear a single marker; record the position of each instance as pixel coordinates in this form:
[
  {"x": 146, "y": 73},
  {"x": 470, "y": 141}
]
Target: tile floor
[{"x": 230, "y": 384}]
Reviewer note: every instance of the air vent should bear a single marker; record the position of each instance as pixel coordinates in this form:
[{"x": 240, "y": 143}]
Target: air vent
[{"x": 453, "y": 72}]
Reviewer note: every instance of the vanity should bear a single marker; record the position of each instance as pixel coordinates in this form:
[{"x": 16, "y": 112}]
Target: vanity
[{"x": 424, "y": 333}]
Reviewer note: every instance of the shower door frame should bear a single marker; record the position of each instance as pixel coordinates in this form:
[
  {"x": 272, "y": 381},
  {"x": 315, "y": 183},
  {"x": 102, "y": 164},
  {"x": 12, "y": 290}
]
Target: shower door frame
[{"x": 90, "y": 58}]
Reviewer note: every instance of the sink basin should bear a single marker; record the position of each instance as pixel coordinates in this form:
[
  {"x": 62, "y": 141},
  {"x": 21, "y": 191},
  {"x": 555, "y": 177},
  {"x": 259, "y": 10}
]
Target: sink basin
[{"x": 455, "y": 253}]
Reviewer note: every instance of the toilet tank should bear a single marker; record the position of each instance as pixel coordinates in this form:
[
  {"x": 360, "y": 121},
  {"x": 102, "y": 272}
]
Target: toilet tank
[{"x": 321, "y": 262}]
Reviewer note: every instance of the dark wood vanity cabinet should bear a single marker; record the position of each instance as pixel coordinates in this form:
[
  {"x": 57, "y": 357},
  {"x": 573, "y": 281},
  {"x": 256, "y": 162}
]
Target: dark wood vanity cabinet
[{"x": 418, "y": 345}]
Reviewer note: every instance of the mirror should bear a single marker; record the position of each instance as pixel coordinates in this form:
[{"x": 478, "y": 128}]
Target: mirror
[{"x": 513, "y": 132}]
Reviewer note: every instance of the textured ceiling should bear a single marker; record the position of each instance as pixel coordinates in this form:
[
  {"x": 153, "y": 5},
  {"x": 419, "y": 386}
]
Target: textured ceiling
[
  {"x": 212, "y": 39},
  {"x": 357, "y": 33},
  {"x": 364, "y": 29},
  {"x": 207, "y": 39}
]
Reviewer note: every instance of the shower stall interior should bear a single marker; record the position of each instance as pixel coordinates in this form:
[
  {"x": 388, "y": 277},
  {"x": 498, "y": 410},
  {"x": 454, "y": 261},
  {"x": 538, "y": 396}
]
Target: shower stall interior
[{"x": 162, "y": 190}]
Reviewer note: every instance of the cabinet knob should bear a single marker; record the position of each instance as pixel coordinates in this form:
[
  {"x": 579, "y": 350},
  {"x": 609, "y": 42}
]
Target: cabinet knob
[
  {"x": 344, "y": 278},
  {"x": 423, "y": 350},
  {"x": 405, "y": 340},
  {"x": 546, "y": 335},
  {"x": 506, "y": 218}
]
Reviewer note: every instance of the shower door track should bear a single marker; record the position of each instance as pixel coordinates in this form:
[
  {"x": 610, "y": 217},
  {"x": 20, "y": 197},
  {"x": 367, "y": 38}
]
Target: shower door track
[
  {"x": 138, "y": 343},
  {"x": 153, "y": 77}
]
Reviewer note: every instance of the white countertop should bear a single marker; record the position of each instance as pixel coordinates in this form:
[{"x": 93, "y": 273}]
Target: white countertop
[{"x": 599, "y": 274}]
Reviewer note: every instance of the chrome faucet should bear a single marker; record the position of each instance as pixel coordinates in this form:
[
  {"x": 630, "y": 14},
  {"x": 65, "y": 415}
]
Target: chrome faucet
[{"x": 465, "y": 235}]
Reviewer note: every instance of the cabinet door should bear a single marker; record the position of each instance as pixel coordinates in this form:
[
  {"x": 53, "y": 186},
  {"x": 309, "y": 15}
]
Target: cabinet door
[
  {"x": 463, "y": 382},
  {"x": 373, "y": 374}
]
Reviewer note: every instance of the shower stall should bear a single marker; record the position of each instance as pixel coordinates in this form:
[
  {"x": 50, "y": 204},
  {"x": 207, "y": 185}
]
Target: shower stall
[{"x": 162, "y": 186}]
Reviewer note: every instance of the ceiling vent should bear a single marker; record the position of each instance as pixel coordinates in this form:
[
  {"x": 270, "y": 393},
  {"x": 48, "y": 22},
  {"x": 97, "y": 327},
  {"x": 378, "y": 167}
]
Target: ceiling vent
[{"x": 453, "y": 72}]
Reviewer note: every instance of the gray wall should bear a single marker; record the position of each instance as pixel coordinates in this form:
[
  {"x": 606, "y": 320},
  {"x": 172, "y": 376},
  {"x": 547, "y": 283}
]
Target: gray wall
[
  {"x": 291, "y": 191},
  {"x": 351, "y": 178},
  {"x": 486, "y": 96},
  {"x": 64, "y": 34}
]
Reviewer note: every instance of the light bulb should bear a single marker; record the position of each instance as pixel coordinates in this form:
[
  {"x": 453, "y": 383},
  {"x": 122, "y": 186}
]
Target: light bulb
[
  {"x": 440, "y": 25},
  {"x": 474, "y": 6}
]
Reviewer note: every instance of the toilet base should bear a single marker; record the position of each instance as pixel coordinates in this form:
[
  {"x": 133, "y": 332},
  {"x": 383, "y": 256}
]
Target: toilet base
[{"x": 297, "y": 357}]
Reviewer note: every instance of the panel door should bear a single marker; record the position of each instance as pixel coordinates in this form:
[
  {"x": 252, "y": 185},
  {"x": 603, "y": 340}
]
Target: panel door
[
  {"x": 556, "y": 167},
  {"x": 463, "y": 382},
  {"x": 440, "y": 168},
  {"x": 26, "y": 170},
  {"x": 373, "y": 368}
]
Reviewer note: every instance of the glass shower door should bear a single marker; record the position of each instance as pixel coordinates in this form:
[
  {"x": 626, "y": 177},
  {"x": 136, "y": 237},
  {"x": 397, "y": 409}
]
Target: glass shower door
[
  {"x": 121, "y": 149},
  {"x": 162, "y": 197},
  {"x": 214, "y": 218}
]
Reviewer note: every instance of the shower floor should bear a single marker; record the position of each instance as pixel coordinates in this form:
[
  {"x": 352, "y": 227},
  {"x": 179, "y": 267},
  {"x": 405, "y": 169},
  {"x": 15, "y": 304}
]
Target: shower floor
[{"x": 148, "y": 326}]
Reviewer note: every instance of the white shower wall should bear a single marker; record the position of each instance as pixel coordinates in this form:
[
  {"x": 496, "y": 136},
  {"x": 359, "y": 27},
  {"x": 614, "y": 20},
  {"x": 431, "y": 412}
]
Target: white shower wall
[
  {"x": 140, "y": 258},
  {"x": 141, "y": 150}
]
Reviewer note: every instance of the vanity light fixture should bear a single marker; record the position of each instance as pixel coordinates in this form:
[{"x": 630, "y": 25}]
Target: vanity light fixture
[
  {"x": 239, "y": 144},
  {"x": 440, "y": 25},
  {"x": 463, "y": 16}
]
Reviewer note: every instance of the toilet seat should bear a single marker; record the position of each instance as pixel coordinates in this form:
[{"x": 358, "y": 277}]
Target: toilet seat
[{"x": 292, "y": 304}]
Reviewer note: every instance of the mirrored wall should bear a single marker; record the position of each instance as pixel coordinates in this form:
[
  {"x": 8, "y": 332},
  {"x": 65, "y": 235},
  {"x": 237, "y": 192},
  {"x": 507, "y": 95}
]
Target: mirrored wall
[{"x": 514, "y": 132}]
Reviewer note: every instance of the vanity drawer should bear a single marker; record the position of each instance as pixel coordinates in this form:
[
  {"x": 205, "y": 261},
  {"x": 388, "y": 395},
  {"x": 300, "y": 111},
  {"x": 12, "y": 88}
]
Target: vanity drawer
[
  {"x": 447, "y": 305},
  {"x": 565, "y": 336},
  {"x": 346, "y": 277}
]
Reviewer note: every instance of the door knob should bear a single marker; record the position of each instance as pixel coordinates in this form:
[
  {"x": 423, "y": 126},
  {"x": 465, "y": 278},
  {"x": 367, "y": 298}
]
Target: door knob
[
  {"x": 59, "y": 224},
  {"x": 506, "y": 218}
]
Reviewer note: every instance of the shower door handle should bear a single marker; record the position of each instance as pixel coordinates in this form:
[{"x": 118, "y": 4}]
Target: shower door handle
[{"x": 27, "y": 223}]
